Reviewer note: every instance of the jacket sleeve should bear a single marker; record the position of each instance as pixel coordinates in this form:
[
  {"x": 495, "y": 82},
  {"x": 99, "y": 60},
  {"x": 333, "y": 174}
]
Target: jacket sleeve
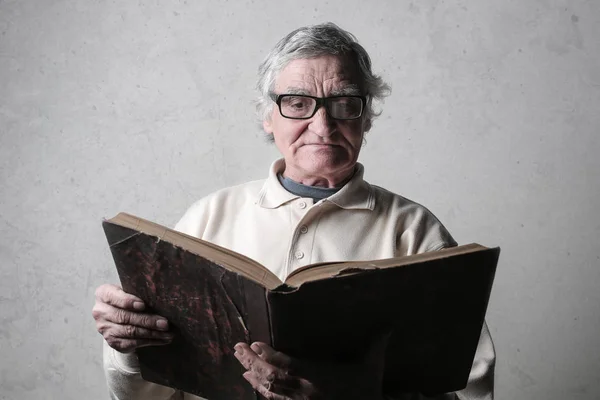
[
  {"x": 480, "y": 385},
  {"x": 125, "y": 381},
  {"x": 481, "y": 379}
]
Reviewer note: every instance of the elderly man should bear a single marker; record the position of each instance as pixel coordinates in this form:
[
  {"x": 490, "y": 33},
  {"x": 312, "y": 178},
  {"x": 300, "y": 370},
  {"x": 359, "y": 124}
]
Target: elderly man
[{"x": 317, "y": 90}]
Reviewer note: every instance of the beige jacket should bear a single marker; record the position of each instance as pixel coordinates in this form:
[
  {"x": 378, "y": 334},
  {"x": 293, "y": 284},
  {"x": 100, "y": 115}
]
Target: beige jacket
[{"x": 283, "y": 232}]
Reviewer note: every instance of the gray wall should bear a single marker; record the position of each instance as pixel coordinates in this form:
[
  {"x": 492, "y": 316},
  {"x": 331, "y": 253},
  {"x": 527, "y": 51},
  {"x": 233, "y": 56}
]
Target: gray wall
[{"x": 146, "y": 106}]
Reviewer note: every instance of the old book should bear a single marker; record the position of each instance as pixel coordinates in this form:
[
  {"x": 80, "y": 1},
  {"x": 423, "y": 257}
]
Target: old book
[{"x": 434, "y": 304}]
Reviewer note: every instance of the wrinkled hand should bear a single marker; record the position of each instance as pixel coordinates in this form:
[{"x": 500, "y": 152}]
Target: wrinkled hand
[
  {"x": 277, "y": 376},
  {"x": 123, "y": 324}
]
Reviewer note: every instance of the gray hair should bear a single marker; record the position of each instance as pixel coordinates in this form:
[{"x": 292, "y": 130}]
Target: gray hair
[{"x": 314, "y": 41}]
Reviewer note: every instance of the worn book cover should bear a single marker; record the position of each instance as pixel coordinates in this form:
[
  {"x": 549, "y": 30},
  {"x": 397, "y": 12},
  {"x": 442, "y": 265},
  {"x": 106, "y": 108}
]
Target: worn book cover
[{"x": 434, "y": 304}]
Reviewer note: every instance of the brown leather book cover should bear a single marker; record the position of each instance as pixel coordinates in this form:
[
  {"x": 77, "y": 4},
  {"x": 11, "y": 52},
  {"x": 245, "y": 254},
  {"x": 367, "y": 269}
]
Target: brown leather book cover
[
  {"x": 434, "y": 308},
  {"x": 206, "y": 307}
]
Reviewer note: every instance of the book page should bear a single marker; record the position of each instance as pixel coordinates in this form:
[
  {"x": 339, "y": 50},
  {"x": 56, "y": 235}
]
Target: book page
[{"x": 328, "y": 270}]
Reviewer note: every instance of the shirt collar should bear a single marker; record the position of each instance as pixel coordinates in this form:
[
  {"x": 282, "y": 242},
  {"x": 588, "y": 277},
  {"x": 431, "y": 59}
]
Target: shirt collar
[{"x": 356, "y": 194}]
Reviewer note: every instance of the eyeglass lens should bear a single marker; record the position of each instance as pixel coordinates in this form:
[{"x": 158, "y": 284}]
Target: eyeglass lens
[{"x": 296, "y": 106}]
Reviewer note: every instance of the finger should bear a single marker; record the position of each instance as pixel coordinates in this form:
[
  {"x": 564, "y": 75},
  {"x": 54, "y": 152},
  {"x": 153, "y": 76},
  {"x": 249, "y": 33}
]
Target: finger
[
  {"x": 289, "y": 386},
  {"x": 271, "y": 356},
  {"x": 246, "y": 356},
  {"x": 136, "y": 332},
  {"x": 115, "y": 296},
  {"x": 103, "y": 311},
  {"x": 271, "y": 394},
  {"x": 266, "y": 372},
  {"x": 128, "y": 345},
  {"x": 270, "y": 376}
]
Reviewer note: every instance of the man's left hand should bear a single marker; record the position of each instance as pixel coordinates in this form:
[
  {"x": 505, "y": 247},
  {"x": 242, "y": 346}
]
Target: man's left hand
[{"x": 278, "y": 376}]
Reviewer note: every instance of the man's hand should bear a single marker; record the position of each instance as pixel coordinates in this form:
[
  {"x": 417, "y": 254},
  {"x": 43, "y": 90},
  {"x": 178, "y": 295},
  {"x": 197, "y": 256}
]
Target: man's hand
[
  {"x": 279, "y": 377},
  {"x": 123, "y": 324}
]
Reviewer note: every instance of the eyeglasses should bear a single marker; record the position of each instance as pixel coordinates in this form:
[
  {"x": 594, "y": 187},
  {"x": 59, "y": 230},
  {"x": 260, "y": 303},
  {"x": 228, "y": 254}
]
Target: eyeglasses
[{"x": 298, "y": 106}]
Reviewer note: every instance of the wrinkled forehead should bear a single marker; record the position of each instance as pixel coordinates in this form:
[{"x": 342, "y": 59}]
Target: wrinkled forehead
[{"x": 327, "y": 75}]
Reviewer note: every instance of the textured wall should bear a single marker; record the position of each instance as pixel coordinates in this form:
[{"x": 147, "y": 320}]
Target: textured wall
[{"x": 146, "y": 106}]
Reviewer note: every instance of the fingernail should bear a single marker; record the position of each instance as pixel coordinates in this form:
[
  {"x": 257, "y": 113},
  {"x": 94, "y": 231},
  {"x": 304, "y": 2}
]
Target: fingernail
[
  {"x": 138, "y": 305},
  {"x": 162, "y": 324},
  {"x": 239, "y": 349},
  {"x": 257, "y": 349}
]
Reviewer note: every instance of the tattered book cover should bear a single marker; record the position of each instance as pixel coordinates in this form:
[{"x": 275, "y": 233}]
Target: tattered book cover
[{"x": 206, "y": 307}]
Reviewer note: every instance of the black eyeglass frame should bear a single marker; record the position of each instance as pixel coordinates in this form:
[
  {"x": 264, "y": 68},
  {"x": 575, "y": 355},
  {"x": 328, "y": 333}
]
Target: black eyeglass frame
[{"x": 320, "y": 101}]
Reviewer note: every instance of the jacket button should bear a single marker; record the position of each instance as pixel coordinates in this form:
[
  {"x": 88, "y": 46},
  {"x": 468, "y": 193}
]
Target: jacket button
[
  {"x": 302, "y": 204},
  {"x": 299, "y": 255},
  {"x": 303, "y": 229}
]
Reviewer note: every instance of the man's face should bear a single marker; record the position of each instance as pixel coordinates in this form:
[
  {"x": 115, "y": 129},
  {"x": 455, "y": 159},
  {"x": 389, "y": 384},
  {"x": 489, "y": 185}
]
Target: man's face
[{"x": 319, "y": 151}]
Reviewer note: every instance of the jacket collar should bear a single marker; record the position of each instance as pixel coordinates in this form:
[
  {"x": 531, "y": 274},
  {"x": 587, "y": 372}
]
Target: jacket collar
[{"x": 356, "y": 194}]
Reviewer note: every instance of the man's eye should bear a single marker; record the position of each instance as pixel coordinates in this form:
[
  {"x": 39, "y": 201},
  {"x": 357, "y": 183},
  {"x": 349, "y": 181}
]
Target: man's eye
[
  {"x": 297, "y": 102},
  {"x": 348, "y": 104}
]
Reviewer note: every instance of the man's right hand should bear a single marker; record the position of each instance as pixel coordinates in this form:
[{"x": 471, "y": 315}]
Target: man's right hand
[{"x": 121, "y": 320}]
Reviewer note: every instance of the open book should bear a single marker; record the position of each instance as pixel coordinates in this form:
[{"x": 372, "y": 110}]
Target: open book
[{"x": 434, "y": 304}]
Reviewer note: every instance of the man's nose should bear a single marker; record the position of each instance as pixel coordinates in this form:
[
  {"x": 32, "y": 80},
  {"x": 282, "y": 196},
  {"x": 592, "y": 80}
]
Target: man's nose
[{"x": 321, "y": 123}]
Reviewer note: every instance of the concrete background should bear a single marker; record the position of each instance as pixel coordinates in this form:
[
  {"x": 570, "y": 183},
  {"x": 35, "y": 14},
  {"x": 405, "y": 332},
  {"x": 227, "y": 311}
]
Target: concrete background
[{"x": 493, "y": 123}]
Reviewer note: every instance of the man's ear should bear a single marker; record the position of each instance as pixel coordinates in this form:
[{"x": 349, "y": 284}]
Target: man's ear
[
  {"x": 267, "y": 126},
  {"x": 367, "y": 125}
]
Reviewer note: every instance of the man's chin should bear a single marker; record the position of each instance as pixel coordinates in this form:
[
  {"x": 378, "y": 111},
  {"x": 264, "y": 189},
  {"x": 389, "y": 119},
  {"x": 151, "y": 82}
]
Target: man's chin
[{"x": 329, "y": 167}]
